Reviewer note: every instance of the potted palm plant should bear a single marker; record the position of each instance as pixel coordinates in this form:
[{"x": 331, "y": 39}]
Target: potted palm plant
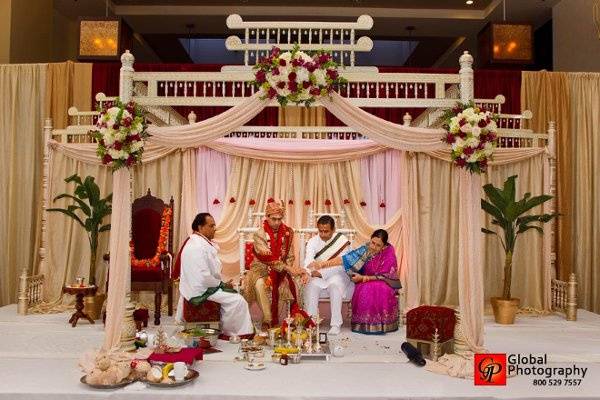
[
  {"x": 508, "y": 214},
  {"x": 88, "y": 210}
]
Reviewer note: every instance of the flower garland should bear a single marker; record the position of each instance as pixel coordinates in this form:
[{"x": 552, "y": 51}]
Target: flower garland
[
  {"x": 161, "y": 248},
  {"x": 472, "y": 133},
  {"x": 296, "y": 77},
  {"x": 120, "y": 133}
]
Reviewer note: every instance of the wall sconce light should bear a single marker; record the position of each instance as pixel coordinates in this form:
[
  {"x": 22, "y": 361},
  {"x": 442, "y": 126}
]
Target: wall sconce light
[{"x": 103, "y": 38}]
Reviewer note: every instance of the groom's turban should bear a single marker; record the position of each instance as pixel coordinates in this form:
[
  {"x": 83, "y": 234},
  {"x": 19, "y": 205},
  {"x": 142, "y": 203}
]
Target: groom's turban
[{"x": 274, "y": 207}]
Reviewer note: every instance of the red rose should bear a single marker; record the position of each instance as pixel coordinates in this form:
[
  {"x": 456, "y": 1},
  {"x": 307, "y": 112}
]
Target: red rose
[
  {"x": 281, "y": 85},
  {"x": 462, "y": 135},
  {"x": 462, "y": 122},
  {"x": 275, "y": 71},
  {"x": 315, "y": 91},
  {"x": 232, "y": 200},
  {"x": 363, "y": 204},
  {"x": 270, "y": 200},
  {"x": 382, "y": 204},
  {"x": 457, "y": 110},
  {"x": 461, "y": 162},
  {"x": 332, "y": 73},
  {"x": 252, "y": 202},
  {"x": 106, "y": 159},
  {"x": 468, "y": 151},
  {"x": 216, "y": 201},
  {"x": 293, "y": 86},
  {"x": 296, "y": 62},
  {"x": 483, "y": 165},
  {"x": 323, "y": 58},
  {"x": 118, "y": 145},
  {"x": 292, "y": 76},
  {"x": 327, "y": 202},
  {"x": 116, "y": 126},
  {"x": 291, "y": 202},
  {"x": 130, "y": 160},
  {"x": 482, "y": 123},
  {"x": 346, "y": 201},
  {"x": 282, "y": 62},
  {"x": 306, "y": 84},
  {"x": 307, "y": 202},
  {"x": 135, "y": 138},
  {"x": 272, "y": 93},
  {"x": 260, "y": 77},
  {"x": 450, "y": 138},
  {"x": 311, "y": 67},
  {"x": 275, "y": 51}
]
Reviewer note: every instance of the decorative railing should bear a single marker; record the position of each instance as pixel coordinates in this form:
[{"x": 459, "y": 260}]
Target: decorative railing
[
  {"x": 260, "y": 36},
  {"x": 564, "y": 297},
  {"x": 30, "y": 291}
]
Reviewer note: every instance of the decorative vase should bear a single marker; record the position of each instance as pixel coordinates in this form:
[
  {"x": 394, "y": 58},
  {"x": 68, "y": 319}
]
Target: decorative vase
[
  {"x": 93, "y": 305},
  {"x": 505, "y": 310}
]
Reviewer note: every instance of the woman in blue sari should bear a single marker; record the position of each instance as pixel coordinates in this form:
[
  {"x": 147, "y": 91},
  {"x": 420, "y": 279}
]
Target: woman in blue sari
[{"x": 373, "y": 268}]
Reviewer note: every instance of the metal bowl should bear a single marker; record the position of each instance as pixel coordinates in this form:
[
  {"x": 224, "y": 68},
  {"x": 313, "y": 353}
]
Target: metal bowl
[{"x": 193, "y": 337}]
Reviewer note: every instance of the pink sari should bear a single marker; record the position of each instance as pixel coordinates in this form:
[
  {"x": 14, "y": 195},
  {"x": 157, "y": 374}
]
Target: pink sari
[{"x": 374, "y": 304}]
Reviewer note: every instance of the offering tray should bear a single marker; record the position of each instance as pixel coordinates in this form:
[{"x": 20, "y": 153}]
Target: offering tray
[
  {"x": 323, "y": 355},
  {"x": 191, "y": 375},
  {"x": 121, "y": 384}
]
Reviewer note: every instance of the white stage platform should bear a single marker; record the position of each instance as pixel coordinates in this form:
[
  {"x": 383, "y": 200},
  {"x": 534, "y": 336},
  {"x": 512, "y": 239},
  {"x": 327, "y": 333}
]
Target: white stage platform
[{"x": 39, "y": 354}]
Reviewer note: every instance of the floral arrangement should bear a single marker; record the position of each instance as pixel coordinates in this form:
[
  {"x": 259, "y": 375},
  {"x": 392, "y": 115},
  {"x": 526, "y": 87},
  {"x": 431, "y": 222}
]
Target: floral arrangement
[
  {"x": 120, "y": 133},
  {"x": 296, "y": 77},
  {"x": 472, "y": 133},
  {"x": 161, "y": 248}
]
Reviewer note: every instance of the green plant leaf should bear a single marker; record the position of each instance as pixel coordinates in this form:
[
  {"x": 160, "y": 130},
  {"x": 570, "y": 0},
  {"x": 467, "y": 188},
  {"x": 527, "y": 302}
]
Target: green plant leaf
[
  {"x": 495, "y": 196},
  {"x": 493, "y": 211},
  {"x": 525, "y": 228},
  {"x": 73, "y": 178},
  {"x": 489, "y": 232},
  {"x": 82, "y": 204},
  {"x": 535, "y": 201},
  {"x": 69, "y": 213},
  {"x": 104, "y": 228},
  {"x": 508, "y": 191}
]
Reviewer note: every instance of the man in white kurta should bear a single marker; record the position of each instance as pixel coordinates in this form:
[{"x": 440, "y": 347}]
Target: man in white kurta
[
  {"x": 201, "y": 279},
  {"x": 330, "y": 282}
]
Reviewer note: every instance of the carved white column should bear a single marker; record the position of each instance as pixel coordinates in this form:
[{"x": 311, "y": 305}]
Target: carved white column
[
  {"x": 192, "y": 117},
  {"x": 242, "y": 252},
  {"x": 128, "y": 328},
  {"x": 466, "y": 77},
  {"x": 571, "y": 310},
  {"x": 23, "y": 299},
  {"x": 43, "y": 252},
  {"x": 551, "y": 146}
]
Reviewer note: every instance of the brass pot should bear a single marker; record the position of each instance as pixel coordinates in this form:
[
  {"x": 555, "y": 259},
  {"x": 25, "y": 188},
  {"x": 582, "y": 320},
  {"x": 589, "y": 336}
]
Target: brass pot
[
  {"x": 92, "y": 305},
  {"x": 505, "y": 310}
]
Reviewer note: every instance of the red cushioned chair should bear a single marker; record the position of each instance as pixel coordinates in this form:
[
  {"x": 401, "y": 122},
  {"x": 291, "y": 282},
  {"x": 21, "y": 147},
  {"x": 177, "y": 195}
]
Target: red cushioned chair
[
  {"x": 421, "y": 323},
  {"x": 154, "y": 275}
]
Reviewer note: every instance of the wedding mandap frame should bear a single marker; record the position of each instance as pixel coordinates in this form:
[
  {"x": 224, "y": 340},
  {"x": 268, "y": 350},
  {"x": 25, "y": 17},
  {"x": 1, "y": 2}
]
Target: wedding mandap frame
[{"x": 159, "y": 92}]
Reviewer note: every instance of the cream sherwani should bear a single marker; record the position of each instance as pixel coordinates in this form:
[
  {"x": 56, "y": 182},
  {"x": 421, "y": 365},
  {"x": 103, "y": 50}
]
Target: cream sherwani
[
  {"x": 201, "y": 270},
  {"x": 334, "y": 283}
]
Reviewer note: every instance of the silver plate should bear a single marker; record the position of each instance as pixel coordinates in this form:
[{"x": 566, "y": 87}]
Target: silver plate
[
  {"x": 192, "y": 375},
  {"x": 107, "y": 387},
  {"x": 323, "y": 355}
]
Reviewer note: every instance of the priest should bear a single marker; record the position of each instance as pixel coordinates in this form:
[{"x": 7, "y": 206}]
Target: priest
[
  {"x": 270, "y": 280},
  {"x": 201, "y": 279},
  {"x": 331, "y": 282}
]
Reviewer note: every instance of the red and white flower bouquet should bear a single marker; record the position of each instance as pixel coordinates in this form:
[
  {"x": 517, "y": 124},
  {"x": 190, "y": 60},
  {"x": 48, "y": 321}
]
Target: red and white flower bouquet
[
  {"x": 120, "y": 133},
  {"x": 296, "y": 77},
  {"x": 472, "y": 134}
]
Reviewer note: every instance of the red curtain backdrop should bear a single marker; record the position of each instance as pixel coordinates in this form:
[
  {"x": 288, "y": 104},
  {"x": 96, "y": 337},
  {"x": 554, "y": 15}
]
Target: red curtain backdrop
[{"x": 488, "y": 84}]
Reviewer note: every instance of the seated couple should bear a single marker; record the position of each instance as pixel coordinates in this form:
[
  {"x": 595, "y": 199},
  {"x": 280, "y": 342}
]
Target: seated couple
[{"x": 330, "y": 266}]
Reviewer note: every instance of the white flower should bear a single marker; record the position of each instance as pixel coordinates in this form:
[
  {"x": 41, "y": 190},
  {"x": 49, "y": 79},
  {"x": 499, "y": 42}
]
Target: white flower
[
  {"x": 476, "y": 131},
  {"x": 488, "y": 149},
  {"x": 458, "y": 144},
  {"x": 302, "y": 75},
  {"x": 320, "y": 75},
  {"x": 472, "y": 142},
  {"x": 287, "y": 56},
  {"x": 466, "y": 128},
  {"x": 109, "y": 138},
  {"x": 118, "y": 154},
  {"x": 302, "y": 55},
  {"x": 491, "y": 126},
  {"x": 136, "y": 146}
]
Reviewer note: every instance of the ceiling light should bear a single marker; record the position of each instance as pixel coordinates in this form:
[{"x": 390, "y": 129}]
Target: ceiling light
[{"x": 469, "y": 2}]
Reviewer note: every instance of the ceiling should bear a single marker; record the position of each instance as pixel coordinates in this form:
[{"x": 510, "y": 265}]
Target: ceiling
[{"x": 444, "y": 28}]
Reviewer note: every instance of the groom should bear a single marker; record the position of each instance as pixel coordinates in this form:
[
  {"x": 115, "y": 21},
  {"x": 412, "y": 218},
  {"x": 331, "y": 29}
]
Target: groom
[{"x": 332, "y": 282}]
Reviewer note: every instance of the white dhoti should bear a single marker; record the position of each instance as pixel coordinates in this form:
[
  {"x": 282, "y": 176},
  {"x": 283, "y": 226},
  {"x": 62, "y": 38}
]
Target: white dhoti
[
  {"x": 334, "y": 283},
  {"x": 201, "y": 270},
  {"x": 337, "y": 287}
]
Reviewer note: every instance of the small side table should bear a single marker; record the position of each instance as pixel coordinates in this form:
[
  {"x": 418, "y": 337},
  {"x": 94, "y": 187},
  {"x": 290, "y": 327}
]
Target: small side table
[{"x": 80, "y": 293}]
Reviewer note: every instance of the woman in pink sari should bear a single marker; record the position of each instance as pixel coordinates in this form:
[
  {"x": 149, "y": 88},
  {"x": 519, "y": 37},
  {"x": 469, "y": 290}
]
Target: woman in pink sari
[{"x": 373, "y": 268}]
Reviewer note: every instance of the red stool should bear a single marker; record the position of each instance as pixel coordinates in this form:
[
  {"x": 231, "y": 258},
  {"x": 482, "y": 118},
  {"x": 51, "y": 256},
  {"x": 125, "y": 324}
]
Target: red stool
[
  {"x": 421, "y": 323},
  {"x": 206, "y": 315}
]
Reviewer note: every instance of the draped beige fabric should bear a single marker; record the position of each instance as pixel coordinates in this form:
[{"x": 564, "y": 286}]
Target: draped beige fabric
[
  {"x": 585, "y": 125},
  {"x": 301, "y": 116},
  {"x": 547, "y": 95},
  {"x": 21, "y": 149},
  {"x": 68, "y": 84}
]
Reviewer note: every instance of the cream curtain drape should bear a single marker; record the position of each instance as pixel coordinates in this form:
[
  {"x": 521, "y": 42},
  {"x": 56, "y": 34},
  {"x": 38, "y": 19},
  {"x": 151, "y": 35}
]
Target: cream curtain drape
[
  {"x": 22, "y": 106},
  {"x": 585, "y": 125}
]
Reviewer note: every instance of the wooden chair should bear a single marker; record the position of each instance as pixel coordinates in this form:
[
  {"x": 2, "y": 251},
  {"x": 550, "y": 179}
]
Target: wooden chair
[{"x": 155, "y": 274}]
